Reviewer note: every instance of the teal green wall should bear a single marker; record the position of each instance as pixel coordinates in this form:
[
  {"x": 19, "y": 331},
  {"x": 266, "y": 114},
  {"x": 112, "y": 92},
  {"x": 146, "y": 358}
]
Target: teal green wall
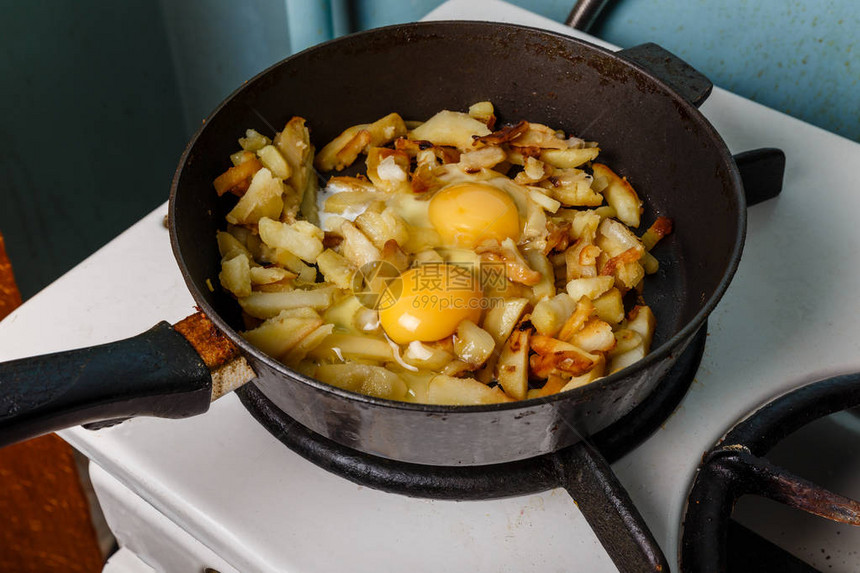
[
  {"x": 90, "y": 128},
  {"x": 798, "y": 56}
]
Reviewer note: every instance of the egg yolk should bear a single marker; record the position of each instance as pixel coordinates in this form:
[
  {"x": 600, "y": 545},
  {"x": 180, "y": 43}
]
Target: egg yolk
[
  {"x": 468, "y": 213},
  {"x": 434, "y": 299}
]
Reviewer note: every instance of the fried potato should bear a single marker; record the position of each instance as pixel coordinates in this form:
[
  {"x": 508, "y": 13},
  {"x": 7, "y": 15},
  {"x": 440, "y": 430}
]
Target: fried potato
[
  {"x": 598, "y": 370},
  {"x": 388, "y": 169},
  {"x": 462, "y": 391},
  {"x": 513, "y": 364},
  {"x": 484, "y": 112},
  {"x": 229, "y": 246},
  {"x": 254, "y": 140},
  {"x": 294, "y": 143},
  {"x": 335, "y": 269},
  {"x": 572, "y": 188},
  {"x": 609, "y": 306},
  {"x": 262, "y": 199},
  {"x": 281, "y": 333},
  {"x": 570, "y": 157},
  {"x": 269, "y": 304},
  {"x": 269, "y": 275},
  {"x": 620, "y": 195},
  {"x": 550, "y": 314},
  {"x": 235, "y": 275},
  {"x": 427, "y": 356},
  {"x": 473, "y": 344},
  {"x": 357, "y": 248},
  {"x": 556, "y": 356},
  {"x": 237, "y": 179},
  {"x": 364, "y": 379},
  {"x": 501, "y": 319},
  {"x": 594, "y": 336},
  {"x": 451, "y": 128},
  {"x": 339, "y": 346},
  {"x": 301, "y": 238},
  {"x": 591, "y": 287},
  {"x": 272, "y": 160}
]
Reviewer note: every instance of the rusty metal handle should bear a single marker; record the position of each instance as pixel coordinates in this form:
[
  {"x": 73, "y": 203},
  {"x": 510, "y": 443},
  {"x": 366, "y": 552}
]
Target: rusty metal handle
[
  {"x": 584, "y": 14},
  {"x": 735, "y": 468}
]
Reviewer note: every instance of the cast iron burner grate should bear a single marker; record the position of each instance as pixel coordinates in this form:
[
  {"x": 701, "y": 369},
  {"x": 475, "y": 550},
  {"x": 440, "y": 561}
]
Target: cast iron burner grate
[
  {"x": 578, "y": 468},
  {"x": 476, "y": 482}
]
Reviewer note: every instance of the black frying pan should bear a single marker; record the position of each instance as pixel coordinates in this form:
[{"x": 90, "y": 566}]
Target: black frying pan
[
  {"x": 646, "y": 130},
  {"x": 639, "y": 104}
]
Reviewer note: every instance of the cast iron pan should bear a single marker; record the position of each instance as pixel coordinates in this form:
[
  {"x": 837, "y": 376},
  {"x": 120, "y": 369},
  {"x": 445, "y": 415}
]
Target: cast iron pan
[{"x": 639, "y": 104}]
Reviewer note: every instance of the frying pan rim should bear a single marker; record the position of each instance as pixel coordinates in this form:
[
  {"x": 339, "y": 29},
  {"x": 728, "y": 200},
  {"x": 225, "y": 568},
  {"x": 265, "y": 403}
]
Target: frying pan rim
[{"x": 673, "y": 344}]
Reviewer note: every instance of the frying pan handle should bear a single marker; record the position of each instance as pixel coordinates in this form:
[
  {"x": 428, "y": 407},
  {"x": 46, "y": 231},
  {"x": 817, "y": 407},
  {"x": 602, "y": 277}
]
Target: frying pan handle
[
  {"x": 683, "y": 78},
  {"x": 157, "y": 373},
  {"x": 762, "y": 172},
  {"x": 585, "y": 13},
  {"x": 607, "y": 507}
]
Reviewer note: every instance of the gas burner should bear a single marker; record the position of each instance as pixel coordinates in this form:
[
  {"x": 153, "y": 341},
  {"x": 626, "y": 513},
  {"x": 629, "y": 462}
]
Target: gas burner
[
  {"x": 736, "y": 467},
  {"x": 591, "y": 490}
]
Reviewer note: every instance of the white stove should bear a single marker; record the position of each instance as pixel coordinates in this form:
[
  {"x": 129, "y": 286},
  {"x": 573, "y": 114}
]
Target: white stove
[{"x": 219, "y": 491}]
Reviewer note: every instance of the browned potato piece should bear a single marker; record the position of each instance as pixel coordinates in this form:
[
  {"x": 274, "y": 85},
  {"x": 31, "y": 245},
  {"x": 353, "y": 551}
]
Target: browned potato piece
[
  {"x": 449, "y": 390},
  {"x": 237, "y": 179},
  {"x": 451, "y": 128},
  {"x": 620, "y": 195},
  {"x": 513, "y": 365}
]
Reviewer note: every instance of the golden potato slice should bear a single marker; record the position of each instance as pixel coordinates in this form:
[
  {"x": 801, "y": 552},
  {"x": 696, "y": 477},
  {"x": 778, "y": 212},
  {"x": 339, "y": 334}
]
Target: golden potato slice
[
  {"x": 427, "y": 356},
  {"x": 502, "y": 317},
  {"x": 269, "y": 304},
  {"x": 609, "y": 306},
  {"x": 281, "y": 333},
  {"x": 592, "y": 287},
  {"x": 335, "y": 269},
  {"x": 269, "y": 275},
  {"x": 620, "y": 195},
  {"x": 235, "y": 275},
  {"x": 597, "y": 371},
  {"x": 473, "y": 344},
  {"x": 388, "y": 169},
  {"x": 542, "y": 136},
  {"x": 294, "y": 143},
  {"x": 594, "y": 336},
  {"x": 254, "y": 140},
  {"x": 237, "y": 179},
  {"x": 339, "y": 346},
  {"x": 550, "y": 314},
  {"x": 301, "y": 238},
  {"x": 512, "y": 368},
  {"x": 298, "y": 352},
  {"x": 356, "y": 247},
  {"x": 229, "y": 246},
  {"x": 365, "y": 379},
  {"x": 451, "y": 128},
  {"x": 272, "y": 160},
  {"x": 484, "y": 112},
  {"x": 572, "y": 187},
  {"x": 262, "y": 199},
  {"x": 462, "y": 392},
  {"x": 570, "y": 157}
]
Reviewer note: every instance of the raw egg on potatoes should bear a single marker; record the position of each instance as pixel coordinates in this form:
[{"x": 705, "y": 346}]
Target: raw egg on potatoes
[
  {"x": 435, "y": 298},
  {"x": 467, "y": 213}
]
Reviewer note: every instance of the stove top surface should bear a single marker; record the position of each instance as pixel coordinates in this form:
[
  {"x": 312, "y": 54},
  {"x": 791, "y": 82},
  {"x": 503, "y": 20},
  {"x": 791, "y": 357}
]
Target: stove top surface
[{"x": 787, "y": 319}]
